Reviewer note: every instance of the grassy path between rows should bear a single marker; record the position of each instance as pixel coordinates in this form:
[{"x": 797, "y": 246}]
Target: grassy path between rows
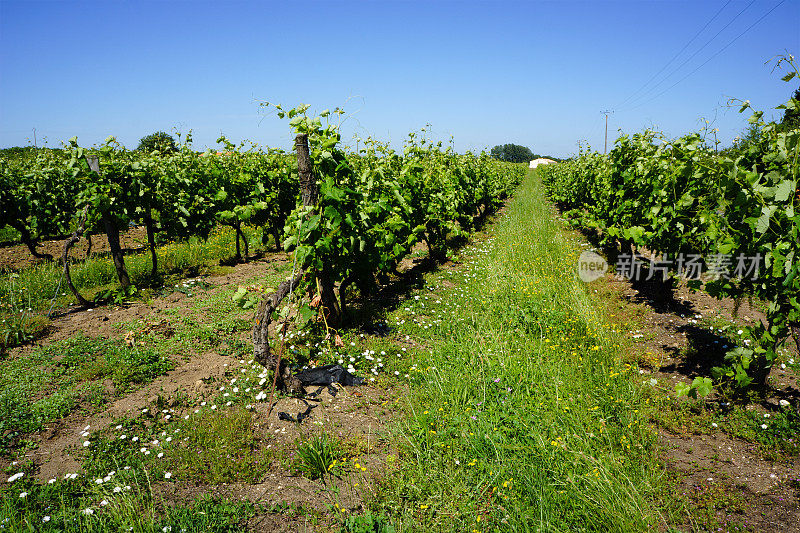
[{"x": 521, "y": 416}]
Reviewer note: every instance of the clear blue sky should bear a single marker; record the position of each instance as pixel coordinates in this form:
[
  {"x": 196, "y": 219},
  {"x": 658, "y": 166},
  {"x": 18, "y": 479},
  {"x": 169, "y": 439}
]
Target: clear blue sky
[{"x": 491, "y": 72}]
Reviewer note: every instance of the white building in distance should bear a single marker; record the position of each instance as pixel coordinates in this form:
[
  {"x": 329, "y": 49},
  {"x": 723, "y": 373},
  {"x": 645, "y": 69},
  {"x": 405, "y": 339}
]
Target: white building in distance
[{"x": 541, "y": 161}]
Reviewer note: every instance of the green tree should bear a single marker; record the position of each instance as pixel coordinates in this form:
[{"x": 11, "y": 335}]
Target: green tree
[
  {"x": 512, "y": 153},
  {"x": 750, "y": 137},
  {"x": 163, "y": 142},
  {"x": 791, "y": 117}
]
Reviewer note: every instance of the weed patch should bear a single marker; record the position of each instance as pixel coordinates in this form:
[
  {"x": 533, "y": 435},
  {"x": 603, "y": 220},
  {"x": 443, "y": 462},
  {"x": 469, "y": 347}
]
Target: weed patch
[
  {"x": 219, "y": 448},
  {"x": 50, "y": 382},
  {"x": 43, "y": 282},
  {"x": 317, "y": 455},
  {"x": 117, "y": 501}
]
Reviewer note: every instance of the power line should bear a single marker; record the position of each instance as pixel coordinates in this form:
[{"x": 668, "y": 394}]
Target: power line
[
  {"x": 697, "y": 51},
  {"x": 712, "y": 57},
  {"x": 589, "y": 133},
  {"x": 595, "y": 125},
  {"x": 668, "y": 63}
]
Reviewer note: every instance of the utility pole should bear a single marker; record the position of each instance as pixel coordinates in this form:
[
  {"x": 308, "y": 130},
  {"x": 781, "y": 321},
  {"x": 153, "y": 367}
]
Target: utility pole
[
  {"x": 605, "y": 144},
  {"x": 34, "y": 138}
]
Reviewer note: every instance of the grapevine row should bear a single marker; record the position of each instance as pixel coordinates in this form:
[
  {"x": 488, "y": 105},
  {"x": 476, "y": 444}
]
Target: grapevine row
[
  {"x": 679, "y": 196},
  {"x": 373, "y": 206}
]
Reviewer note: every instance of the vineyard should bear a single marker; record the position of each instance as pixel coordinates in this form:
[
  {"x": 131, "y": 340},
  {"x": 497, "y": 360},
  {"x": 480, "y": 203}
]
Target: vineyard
[
  {"x": 477, "y": 382},
  {"x": 736, "y": 216},
  {"x": 373, "y": 206}
]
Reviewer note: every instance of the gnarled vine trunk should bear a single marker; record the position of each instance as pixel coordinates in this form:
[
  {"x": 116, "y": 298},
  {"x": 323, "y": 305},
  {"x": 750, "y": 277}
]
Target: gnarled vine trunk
[
  {"x": 70, "y": 242},
  {"x": 112, "y": 232},
  {"x": 284, "y": 380},
  {"x": 25, "y": 237},
  {"x": 262, "y": 354},
  {"x": 151, "y": 241}
]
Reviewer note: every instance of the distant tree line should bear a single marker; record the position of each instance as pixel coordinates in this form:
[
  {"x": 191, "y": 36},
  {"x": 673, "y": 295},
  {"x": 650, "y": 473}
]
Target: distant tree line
[
  {"x": 161, "y": 141},
  {"x": 17, "y": 151},
  {"x": 514, "y": 153}
]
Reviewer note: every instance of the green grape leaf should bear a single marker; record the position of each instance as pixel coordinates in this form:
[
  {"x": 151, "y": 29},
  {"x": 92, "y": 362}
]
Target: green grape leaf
[
  {"x": 784, "y": 189},
  {"x": 682, "y": 389},
  {"x": 702, "y": 386}
]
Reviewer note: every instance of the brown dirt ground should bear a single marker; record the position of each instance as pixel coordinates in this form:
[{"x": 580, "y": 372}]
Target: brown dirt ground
[
  {"x": 18, "y": 256},
  {"x": 737, "y": 468},
  {"x": 102, "y": 321},
  {"x": 665, "y": 331},
  {"x": 353, "y": 415},
  {"x": 763, "y": 498},
  {"x": 56, "y": 443},
  {"x": 356, "y": 413}
]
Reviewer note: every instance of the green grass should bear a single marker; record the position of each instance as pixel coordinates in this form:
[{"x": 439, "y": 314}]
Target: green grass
[
  {"x": 49, "y": 382},
  {"x": 122, "y": 463},
  {"x": 210, "y": 447},
  {"x": 89, "y": 359},
  {"x": 220, "y": 448},
  {"x": 123, "y": 502},
  {"x": 18, "y": 323},
  {"x": 367, "y": 523},
  {"x": 317, "y": 455},
  {"x": 521, "y": 416}
]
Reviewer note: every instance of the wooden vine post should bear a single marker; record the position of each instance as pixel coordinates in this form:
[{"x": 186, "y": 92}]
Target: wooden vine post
[
  {"x": 284, "y": 380},
  {"x": 112, "y": 232},
  {"x": 309, "y": 191},
  {"x": 310, "y": 194}
]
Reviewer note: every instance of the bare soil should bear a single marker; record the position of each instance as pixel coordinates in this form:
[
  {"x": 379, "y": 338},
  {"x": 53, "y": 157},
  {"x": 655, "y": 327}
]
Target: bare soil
[
  {"x": 17, "y": 256},
  {"x": 671, "y": 344},
  {"x": 351, "y": 413},
  {"x": 103, "y": 321}
]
